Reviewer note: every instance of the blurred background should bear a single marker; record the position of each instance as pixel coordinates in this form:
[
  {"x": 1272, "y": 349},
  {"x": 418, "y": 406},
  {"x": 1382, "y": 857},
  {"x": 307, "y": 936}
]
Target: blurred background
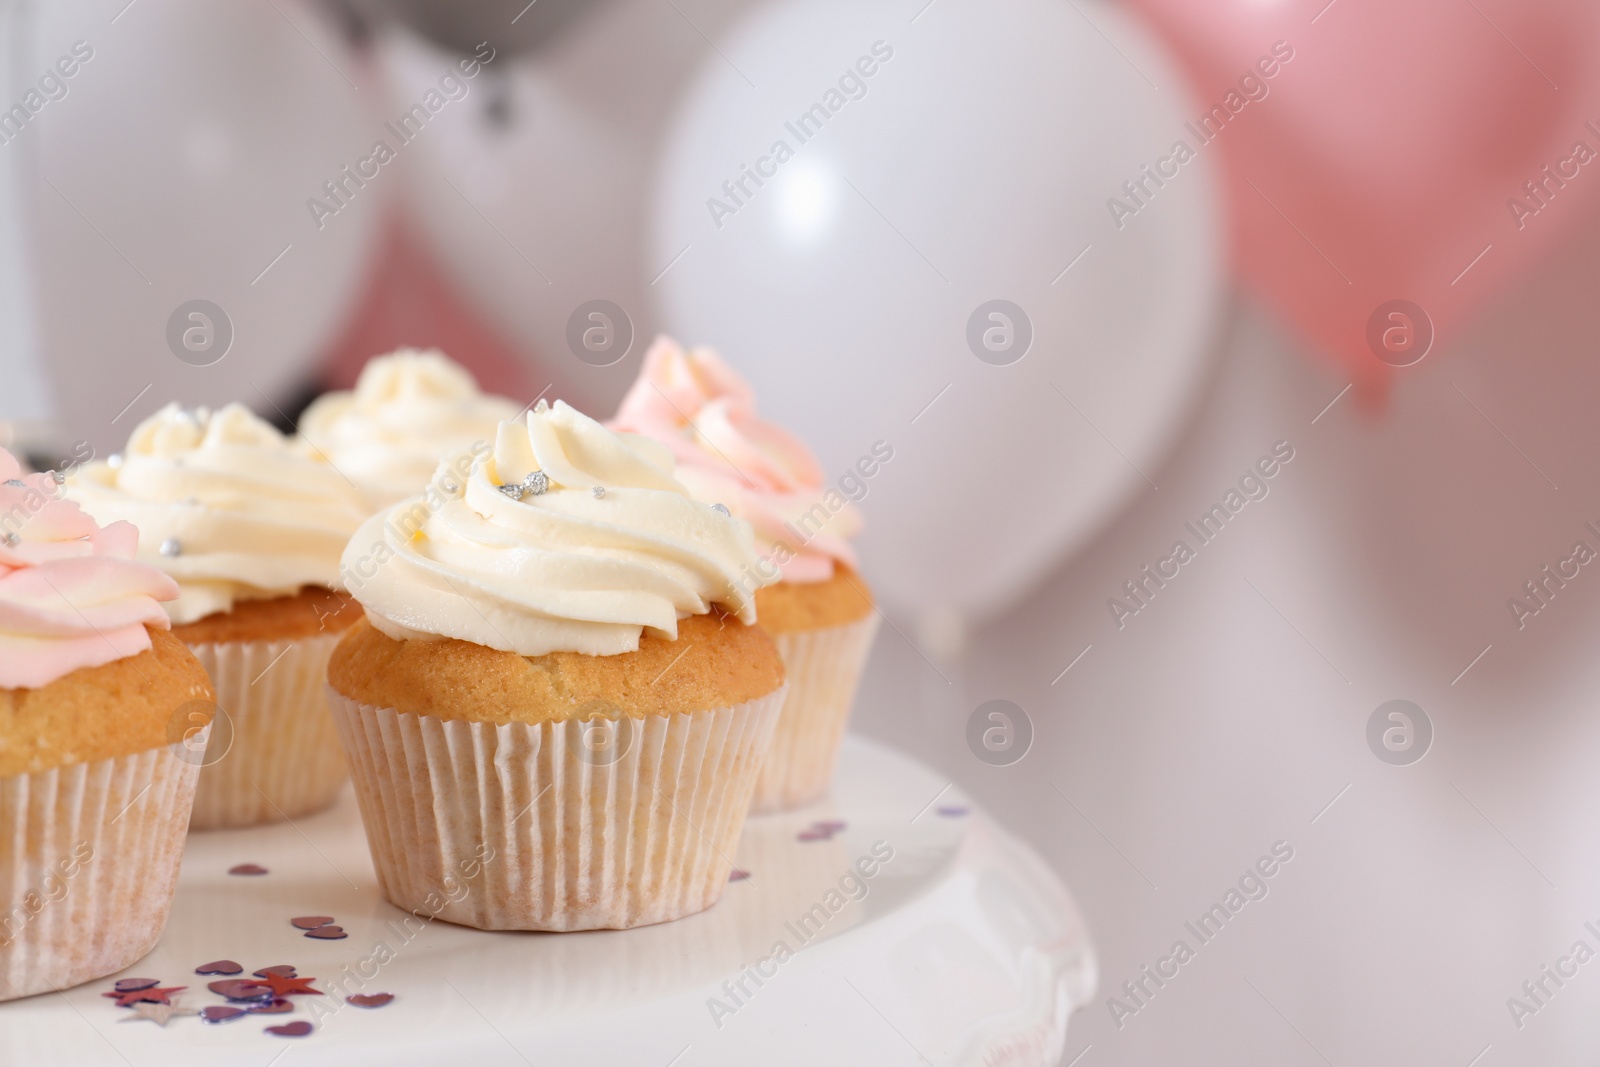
[{"x": 1303, "y": 287}]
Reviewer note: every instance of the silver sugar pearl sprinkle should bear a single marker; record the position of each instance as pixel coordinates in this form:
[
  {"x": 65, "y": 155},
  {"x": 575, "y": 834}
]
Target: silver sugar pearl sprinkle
[
  {"x": 450, "y": 487},
  {"x": 114, "y": 460},
  {"x": 12, "y": 539},
  {"x": 721, "y": 509},
  {"x": 58, "y": 477},
  {"x": 537, "y": 483},
  {"x": 598, "y": 491},
  {"x": 171, "y": 547},
  {"x": 541, "y": 407},
  {"x": 513, "y": 491}
]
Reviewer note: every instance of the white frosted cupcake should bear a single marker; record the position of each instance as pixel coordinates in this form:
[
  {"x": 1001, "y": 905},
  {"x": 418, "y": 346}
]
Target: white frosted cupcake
[
  {"x": 251, "y": 530},
  {"x": 819, "y": 610},
  {"x": 557, "y": 706},
  {"x": 97, "y": 700},
  {"x": 409, "y": 410}
]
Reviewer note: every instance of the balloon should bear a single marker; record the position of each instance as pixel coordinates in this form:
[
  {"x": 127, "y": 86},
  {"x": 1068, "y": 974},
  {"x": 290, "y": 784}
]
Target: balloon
[
  {"x": 896, "y": 228},
  {"x": 531, "y": 189},
  {"x": 1387, "y": 157},
  {"x": 176, "y": 168}
]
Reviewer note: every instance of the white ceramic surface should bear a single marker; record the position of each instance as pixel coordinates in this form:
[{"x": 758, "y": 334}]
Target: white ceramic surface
[{"x": 963, "y": 950}]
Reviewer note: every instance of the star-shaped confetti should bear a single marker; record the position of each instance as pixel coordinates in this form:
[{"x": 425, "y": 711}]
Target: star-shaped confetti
[
  {"x": 283, "y": 985},
  {"x": 154, "y": 995},
  {"x": 160, "y": 1014}
]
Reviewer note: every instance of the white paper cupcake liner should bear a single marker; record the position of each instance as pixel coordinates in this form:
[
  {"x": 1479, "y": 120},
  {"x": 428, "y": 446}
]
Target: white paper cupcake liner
[
  {"x": 519, "y": 827},
  {"x": 278, "y": 755},
  {"x": 89, "y": 857},
  {"x": 823, "y": 668}
]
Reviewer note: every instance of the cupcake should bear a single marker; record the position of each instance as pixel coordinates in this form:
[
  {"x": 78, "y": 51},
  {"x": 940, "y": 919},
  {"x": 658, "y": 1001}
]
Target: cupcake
[
  {"x": 252, "y": 531},
  {"x": 820, "y": 612},
  {"x": 557, "y": 705},
  {"x": 97, "y": 700},
  {"x": 409, "y": 410}
]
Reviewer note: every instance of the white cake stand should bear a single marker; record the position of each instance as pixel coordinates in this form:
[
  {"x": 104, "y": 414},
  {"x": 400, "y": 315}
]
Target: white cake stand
[{"x": 960, "y": 949}]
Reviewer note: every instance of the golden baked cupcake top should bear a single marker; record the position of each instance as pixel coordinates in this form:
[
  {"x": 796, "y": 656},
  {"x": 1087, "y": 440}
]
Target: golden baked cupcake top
[
  {"x": 567, "y": 537},
  {"x": 225, "y": 506}
]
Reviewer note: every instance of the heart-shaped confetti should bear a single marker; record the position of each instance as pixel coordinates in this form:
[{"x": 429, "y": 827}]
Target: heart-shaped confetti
[
  {"x": 133, "y": 985},
  {"x": 328, "y": 933},
  {"x": 221, "y": 1013},
  {"x": 283, "y": 970},
  {"x": 311, "y": 922},
  {"x": 295, "y": 1029},
  {"x": 369, "y": 1000},
  {"x": 276, "y": 1006},
  {"x": 219, "y": 967},
  {"x": 247, "y": 869},
  {"x": 241, "y": 989}
]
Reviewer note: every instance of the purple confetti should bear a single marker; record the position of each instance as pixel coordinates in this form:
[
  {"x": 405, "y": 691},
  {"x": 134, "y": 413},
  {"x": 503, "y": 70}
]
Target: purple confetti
[
  {"x": 736, "y": 875},
  {"x": 276, "y": 1006},
  {"x": 328, "y": 933},
  {"x": 311, "y": 922},
  {"x": 828, "y": 827},
  {"x": 238, "y": 989},
  {"x": 220, "y": 1013},
  {"x": 369, "y": 1000},
  {"x": 219, "y": 967},
  {"x": 952, "y": 811},
  {"x": 294, "y": 1029},
  {"x": 134, "y": 985},
  {"x": 282, "y": 970},
  {"x": 247, "y": 869}
]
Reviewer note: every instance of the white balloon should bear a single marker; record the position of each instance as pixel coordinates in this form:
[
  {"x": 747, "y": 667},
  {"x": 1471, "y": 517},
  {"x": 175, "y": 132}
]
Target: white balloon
[
  {"x": 537, "y": 204},
  {"x": 972, "y": 164},
  {"x": 177, "y": 167}
]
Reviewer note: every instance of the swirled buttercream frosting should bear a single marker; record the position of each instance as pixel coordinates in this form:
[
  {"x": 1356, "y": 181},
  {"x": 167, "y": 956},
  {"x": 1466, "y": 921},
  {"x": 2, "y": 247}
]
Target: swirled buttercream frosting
[
  {"x": 71, "y": 593},
  {"x": 226, "y": 506},
  {"x": 566, "y": 537},
  {"x": 705, "y": 412},
  {"x": 409, "y": 410}
]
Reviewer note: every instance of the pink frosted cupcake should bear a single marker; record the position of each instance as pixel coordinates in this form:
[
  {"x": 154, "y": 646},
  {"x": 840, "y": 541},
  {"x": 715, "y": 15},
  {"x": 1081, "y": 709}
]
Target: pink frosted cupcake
[
  {"x": 102, "y": 720},
  {"x": 820, "y": 612}
]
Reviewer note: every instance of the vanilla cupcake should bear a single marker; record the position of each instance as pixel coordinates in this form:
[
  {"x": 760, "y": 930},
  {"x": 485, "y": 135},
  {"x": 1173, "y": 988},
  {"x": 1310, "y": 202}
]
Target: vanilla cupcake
[
  {"x": 409, "y": 410},
  {"x": 97, "y": 703},
  {"x": 252, "y": 531},
  {"x": 558, "y": 704},
  {"x": 820, "y": 613}
]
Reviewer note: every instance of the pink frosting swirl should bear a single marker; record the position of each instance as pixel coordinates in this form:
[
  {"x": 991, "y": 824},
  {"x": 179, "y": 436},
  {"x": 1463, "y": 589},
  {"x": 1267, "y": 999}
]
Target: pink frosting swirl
[
  {"x": 704, "y": 411},
  {"x": 71, "y": 594}
]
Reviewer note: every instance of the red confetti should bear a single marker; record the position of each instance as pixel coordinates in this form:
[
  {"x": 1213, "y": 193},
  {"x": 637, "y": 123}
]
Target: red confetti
[
  {"x": 227, "y": 967},
  {"x": 736, "y": 875},
  {"x": 271, "y": 1007},
  {"x": 283, "y": 969},
  {"x": 240, "y": 989},
  {"x": 311, "y": 922},
  {"x": 151, "y": 996},
  {"x": 294, "y": 1029},
  {"x": 220, "y": 1013},
  {"x": 247, "y": 869},
  {"x": 328, "y": 933},
  {"x": 283, "y": 987},
  {"x": 369, "y": 1000},
  {"x": 133, "y": 985}
]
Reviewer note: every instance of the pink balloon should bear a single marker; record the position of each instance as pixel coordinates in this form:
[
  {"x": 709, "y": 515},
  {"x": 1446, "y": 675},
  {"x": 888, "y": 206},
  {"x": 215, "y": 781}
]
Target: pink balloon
[{"x": 1381, "y": 151}]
